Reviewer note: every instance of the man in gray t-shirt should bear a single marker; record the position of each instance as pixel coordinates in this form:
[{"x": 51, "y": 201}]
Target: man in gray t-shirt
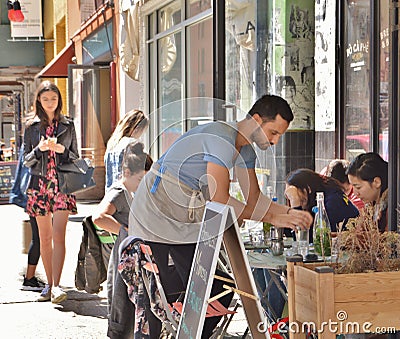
[{"x": 169, "y": 203}]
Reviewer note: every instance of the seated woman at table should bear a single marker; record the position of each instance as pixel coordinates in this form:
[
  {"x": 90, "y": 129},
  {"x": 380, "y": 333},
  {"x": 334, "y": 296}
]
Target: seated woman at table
[
  {"x": 368, "y": 173},
  {"x": 301, "y": 190},
  {"x": 337, "y": 169}
]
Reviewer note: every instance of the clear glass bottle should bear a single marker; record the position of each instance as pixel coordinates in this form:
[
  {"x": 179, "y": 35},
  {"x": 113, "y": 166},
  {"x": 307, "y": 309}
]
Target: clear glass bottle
[{"x": 322, "y": 229}]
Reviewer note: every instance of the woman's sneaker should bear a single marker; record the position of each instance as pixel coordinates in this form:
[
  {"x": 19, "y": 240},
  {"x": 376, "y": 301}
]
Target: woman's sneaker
[
  {"x": 58, "y": 295},
  {"x": 32, "y": 284},
  {"x": 46, "y": 294}
]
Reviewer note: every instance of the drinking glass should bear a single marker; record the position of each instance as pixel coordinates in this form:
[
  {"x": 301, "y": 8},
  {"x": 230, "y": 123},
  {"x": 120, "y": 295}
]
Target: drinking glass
[{"x": 302, "y": 242}]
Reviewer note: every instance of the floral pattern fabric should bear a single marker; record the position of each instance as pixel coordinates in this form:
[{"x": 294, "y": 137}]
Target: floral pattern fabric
[
  {"x": 131, "y": 268},
  {"x": 45, "y": 197}
]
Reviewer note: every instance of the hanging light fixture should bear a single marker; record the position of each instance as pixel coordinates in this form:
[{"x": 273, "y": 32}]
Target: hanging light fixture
[{"x": 14, "y": 11}]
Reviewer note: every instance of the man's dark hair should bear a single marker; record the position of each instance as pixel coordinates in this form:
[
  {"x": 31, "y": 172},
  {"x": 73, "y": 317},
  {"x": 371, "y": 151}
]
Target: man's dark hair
[{"x": 269, "y": 106}]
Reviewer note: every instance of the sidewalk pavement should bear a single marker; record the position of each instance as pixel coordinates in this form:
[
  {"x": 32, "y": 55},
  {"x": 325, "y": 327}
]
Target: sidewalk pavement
[{"x": 82, "y": 316}]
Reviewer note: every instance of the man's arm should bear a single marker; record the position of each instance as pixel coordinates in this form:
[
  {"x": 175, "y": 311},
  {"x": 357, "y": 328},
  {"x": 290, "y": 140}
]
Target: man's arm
[
  {"x": 263, "y": 209},
  {"x": 258, "y": 206},
  {"x": 218, "y": 185}
]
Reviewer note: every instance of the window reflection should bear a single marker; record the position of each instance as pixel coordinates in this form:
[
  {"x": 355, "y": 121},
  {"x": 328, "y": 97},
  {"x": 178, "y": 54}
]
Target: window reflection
[
  {"x": 241, "y": 23},
  {"x": 384, "y": 80},
  {"x": 357, "y": 99},
  {"x": 169, "y": 16},
  {"x": 195, "y": 7},
  {"x": 199, "y": 72},
  {"x": 275, "y": 58},
  {"x": 176, "y": 77},
  {"x": 170, "y": 89}
]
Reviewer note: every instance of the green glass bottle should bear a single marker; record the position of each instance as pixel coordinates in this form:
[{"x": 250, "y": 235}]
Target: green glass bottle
[
  {"x": 267, "y": 225},
  {"x": 322, "y": 228}
]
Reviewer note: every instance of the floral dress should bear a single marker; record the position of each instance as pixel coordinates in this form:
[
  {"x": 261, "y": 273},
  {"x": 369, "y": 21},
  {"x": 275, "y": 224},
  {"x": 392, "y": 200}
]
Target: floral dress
[{"x": 43, "y": 194}]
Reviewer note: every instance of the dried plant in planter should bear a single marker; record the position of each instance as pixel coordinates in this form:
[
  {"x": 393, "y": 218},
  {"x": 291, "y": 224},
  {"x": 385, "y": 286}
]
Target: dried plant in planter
[{"x": 362, "y": 248}]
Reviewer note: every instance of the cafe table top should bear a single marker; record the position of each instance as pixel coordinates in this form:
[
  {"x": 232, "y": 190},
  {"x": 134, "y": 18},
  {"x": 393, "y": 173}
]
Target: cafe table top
[{"x": 267, "y": 259}]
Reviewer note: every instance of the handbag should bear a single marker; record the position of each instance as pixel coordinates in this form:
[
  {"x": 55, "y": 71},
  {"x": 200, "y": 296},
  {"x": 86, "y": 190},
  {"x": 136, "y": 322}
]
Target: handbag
[{"x": 75, "y": 176}]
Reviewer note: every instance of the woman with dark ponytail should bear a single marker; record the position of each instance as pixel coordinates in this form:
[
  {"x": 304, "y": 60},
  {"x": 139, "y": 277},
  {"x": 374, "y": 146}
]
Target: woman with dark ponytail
[
  {"x": 368, "y": 173},
  {"x": 113, "y": 216}
]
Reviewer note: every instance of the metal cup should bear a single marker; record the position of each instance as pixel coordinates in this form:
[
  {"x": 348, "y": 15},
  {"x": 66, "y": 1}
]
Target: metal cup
[
  {"x": 276, "y": 233},
  {"x": 277, "y": 247}
]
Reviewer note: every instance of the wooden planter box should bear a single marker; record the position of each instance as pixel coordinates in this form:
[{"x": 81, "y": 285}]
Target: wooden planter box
[{"x": 343, "y": 301}]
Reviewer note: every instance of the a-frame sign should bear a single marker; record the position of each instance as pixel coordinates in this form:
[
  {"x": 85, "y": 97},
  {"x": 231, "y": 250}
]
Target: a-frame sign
[{"x": 219, "y": 226}]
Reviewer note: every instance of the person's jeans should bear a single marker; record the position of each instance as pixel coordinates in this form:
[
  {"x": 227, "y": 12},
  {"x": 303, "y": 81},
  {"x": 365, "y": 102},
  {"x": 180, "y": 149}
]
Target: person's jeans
[{"x": 262, "y": 277}]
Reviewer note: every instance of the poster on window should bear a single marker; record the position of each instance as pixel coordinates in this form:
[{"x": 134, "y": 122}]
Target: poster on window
[
  {"x": 294, "y": 73},
  {"x": 32, "y": 24},
  {"x": 325, "y": 14}
]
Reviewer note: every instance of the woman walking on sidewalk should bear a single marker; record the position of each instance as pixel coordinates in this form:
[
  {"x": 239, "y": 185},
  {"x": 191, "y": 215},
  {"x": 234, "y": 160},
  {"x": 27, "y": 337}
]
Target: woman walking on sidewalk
[
  {"x": 49, "y": 139},
  {"x": 18, "y": 197}
]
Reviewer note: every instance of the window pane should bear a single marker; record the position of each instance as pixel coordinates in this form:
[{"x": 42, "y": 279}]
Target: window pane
[
  {"x": 194, "y": 7},
  {"x": 292, "y": 59},
  {"x": 169, "y": 16},
  {"x": 357, "y": 98},
  {"x": 241, "y": 22},
  {"x": 384, "y": 80},
  {"x": 169, "y": 90},
  {"x": 199, "y": 72},
  {"x": 98, "y": 45},
  {"x": 90, "y": 108}
]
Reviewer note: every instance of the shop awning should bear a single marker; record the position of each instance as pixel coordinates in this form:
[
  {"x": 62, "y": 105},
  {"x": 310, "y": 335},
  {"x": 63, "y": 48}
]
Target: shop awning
[{"x": 58, "y": 67}]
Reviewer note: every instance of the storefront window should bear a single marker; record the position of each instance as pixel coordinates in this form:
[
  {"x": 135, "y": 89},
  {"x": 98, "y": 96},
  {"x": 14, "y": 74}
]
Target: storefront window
[
  {"x": 98, "y": 46},
  {"x": 90, "y": 106},
  {"x": 199, "y": 72},
  {"x": 170, "y": 89},
  {"x": 241, "y": 22},
  {"x": 195, "y": 7},
  {"x": 178, "y": 75},
  {"x": 270, "y": 49},
  {"x": 169, "y": 16},
  {"x": 384, "y": 79},
  {"x": 357, "y": 116}
]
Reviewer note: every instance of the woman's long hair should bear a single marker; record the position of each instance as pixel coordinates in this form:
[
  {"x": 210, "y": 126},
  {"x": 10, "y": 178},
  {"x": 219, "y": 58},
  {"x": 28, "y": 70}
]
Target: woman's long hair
[
  {"x": 133, "y": 121},
  {"x": 47, "y": 86},
  {"x": 312, "y": 182}
]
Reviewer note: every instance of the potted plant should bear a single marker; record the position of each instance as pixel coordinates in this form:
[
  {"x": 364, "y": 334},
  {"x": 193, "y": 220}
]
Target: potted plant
[{"x": 360, "y": 293}]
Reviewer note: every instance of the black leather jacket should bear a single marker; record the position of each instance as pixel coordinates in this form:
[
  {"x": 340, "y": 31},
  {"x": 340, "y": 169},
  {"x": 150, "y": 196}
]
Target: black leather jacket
[{"x": 35, "y": 158}]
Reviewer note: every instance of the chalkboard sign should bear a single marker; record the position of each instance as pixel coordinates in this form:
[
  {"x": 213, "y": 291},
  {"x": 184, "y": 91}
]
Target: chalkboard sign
[
  {"x": 7, "y": 174},
  {"x": 219, "y": 224},
  {"x": 202, "y": 272}
]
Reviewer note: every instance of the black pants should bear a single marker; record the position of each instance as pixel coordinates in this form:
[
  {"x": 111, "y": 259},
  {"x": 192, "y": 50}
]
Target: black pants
[
  {"x": 34, "y": 249},
  {"x": 182, "y": 255},
  {"x": 121, "y": 311}
]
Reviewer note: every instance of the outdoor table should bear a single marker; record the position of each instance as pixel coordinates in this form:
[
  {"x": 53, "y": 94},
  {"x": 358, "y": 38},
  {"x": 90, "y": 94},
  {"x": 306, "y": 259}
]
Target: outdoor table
[{"x": 275, "y": 266}]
